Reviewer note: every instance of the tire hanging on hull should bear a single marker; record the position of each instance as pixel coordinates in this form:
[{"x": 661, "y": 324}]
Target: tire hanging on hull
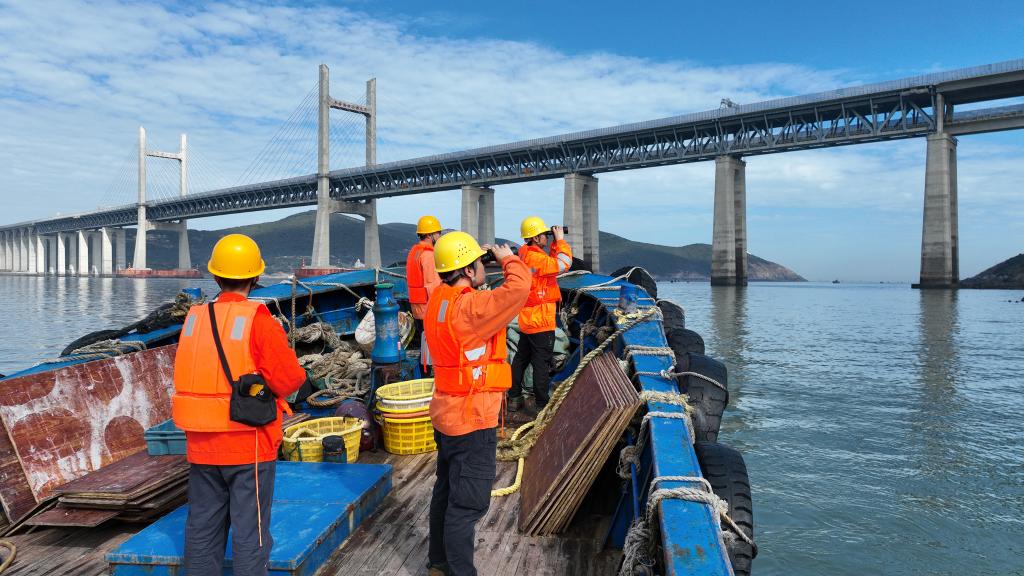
[{"x": 723, "y": 467}]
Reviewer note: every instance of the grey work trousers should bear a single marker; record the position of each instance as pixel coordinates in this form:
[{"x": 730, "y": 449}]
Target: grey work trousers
[
  {"x": 222, "y": 497},
  {"x": 466, "y": 467}
]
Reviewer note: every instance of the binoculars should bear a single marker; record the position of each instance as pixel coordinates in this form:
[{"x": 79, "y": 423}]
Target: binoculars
[
  {"x": 551, "y": 232},
  {"x": 488, "y": 258}
]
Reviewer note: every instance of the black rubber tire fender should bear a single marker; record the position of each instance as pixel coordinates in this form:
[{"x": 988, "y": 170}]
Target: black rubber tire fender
[
  {"x": 708, "y": 401},
  {"x": 683, "y": 341},
  {"x": 672, "y": 314},
  {"x": 723, "y": 467},
  {"x": 92, "y": 338},
  {"x": 640, "y": 277}
]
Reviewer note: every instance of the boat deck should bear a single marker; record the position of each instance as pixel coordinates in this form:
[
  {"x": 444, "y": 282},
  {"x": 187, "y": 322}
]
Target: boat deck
[
  {"x": 394, "y": 540},
  {"x": 391, "y": 542}
]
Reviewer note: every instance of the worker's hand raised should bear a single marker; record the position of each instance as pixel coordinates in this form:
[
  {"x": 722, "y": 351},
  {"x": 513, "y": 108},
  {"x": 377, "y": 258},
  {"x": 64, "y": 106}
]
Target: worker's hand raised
[
  {"x": 501, "y": 252},
  {"x": 559, "y": 232}
]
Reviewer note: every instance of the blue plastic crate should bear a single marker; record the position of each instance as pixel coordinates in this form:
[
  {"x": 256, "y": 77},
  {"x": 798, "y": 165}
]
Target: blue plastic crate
[{"x": 164, "y": 439}]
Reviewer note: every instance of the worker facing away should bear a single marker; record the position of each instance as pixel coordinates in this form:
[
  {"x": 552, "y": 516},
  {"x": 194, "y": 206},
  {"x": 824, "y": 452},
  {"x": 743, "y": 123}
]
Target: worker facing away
[
  {"x": 546, "y": 254},
  {"x": 421, "y": 278},
  {"x": 465, "y": 329},
  {"x": 232, "y": 369}
]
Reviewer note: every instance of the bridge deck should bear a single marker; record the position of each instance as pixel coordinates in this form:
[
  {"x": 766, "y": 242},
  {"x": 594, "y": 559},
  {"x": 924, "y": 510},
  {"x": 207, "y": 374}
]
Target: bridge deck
[{"x": 883, "y": 111}]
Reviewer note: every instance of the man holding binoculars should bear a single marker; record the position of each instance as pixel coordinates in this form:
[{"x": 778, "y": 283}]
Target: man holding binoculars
[{"x": 546, "y": 254}]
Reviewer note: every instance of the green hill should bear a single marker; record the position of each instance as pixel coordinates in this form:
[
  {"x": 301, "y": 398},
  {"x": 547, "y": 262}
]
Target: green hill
[
  {"x": 289, "y": 241},
  {"x": 1006, "y": 274}
]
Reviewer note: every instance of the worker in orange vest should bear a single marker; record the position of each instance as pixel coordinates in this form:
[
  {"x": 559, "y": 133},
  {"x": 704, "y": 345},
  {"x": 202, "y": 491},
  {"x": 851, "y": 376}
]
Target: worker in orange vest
[
  {"x": 537, "y": 320},
  {"x": 421, "y": 278},
  {"x": 465, "y": 329},
  {"x": 232, "y": 356}
]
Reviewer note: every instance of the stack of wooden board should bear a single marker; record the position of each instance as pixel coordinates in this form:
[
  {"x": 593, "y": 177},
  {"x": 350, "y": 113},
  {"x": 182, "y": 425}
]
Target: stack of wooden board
[
  {"x": 575, "y": 445},
  {"x": 135, "y": 489},
  {"x": 60, "y": 425}
]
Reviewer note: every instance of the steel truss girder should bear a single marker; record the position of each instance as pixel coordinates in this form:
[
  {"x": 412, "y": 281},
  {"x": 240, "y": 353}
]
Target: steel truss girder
[{"x": 850, "y": 121}]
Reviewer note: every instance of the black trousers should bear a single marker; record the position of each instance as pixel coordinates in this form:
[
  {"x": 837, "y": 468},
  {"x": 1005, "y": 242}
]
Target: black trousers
[
  {"x": 466, "y": 468},
  {"x": 534, "y": 350},
  {"x": 222, "y": 497}
]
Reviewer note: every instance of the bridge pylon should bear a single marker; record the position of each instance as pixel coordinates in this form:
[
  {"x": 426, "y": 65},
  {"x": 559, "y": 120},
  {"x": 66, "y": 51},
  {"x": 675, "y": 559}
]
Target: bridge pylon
[
  {"x": 181, "y": 226},
  {"x": 325, "y": 205}
]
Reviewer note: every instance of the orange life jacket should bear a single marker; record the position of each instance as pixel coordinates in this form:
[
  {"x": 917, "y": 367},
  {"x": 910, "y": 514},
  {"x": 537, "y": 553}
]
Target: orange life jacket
[
  {"x": 544, "y": 288},
  {"x": 202, "y": 393},
  {"x": 414, "y": 274},
  {"x": 457, "y": 370}
]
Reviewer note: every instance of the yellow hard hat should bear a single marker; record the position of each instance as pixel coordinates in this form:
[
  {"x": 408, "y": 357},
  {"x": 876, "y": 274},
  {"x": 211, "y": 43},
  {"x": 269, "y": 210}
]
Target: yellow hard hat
[
  {"x": 236, "y": 256},
  {"x": 428, "y": 225},
  {"x": 455, "y": 250},
  {"x": 532, "y": 226}
]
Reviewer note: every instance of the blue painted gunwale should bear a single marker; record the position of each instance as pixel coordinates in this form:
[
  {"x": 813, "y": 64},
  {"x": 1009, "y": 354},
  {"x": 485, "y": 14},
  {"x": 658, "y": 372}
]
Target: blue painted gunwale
[{"x": 691, "y": 540}]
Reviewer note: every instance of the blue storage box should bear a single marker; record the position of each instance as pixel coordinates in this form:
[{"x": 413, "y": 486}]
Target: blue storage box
[{"x": 164, "y": 439}]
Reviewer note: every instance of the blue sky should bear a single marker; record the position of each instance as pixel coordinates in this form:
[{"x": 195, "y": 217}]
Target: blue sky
[{"x": 77, "y": 79}]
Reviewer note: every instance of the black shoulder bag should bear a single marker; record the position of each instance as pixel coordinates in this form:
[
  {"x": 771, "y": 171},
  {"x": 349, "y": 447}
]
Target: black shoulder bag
[{"x": 252, "y": 402}]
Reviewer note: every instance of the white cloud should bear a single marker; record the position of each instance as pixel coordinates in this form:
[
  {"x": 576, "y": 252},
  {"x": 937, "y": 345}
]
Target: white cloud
[{"x": 78, "y": 78}]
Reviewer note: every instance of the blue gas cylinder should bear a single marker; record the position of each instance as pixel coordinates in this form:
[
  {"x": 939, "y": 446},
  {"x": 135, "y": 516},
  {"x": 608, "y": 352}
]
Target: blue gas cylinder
[
  {"x": 387, "y": 346},
  {"x": 628, "y": 298}
]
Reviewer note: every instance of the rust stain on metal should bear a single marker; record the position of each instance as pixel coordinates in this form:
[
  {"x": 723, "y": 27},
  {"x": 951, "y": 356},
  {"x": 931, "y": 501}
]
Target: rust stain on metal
[{"x": 65, "y": 423}]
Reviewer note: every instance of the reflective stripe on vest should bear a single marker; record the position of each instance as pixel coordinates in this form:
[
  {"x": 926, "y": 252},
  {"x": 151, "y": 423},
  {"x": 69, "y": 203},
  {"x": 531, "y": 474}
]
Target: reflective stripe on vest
[
  {"x": 542, "y": 288},
  {"x": 202, "y": 393},
  {"x": 414, "y": 274},
  {"x": 459, "y": 370}
]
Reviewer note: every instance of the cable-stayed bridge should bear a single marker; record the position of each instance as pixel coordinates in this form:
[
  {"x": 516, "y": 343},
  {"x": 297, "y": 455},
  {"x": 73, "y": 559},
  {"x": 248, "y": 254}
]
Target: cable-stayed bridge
[{"x": 927, "y": 106}]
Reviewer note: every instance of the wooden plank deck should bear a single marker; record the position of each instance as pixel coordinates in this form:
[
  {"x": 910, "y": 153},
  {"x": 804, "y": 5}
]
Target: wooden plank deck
[{"x": 394, "y": 541}]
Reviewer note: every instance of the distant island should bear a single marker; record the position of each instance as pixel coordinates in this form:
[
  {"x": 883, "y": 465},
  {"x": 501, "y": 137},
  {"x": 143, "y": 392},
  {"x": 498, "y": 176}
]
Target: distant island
[
  {"x": 286, "y": 242},
  {"x": 1008, "y": 274}
]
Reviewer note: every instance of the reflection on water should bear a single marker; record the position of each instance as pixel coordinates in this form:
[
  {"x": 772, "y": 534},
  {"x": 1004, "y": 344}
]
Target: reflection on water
[{"x": 728, "y": 334}]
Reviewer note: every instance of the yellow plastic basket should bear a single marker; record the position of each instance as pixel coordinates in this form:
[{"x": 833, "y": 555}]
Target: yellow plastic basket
[
  {"x": 405, "y": 397},
  {"x": 303, "y": 441},
  {"x": 408, "y": 436}
]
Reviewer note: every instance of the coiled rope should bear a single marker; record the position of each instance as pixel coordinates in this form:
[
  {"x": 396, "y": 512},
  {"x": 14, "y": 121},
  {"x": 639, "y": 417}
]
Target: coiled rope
[{"x": 13, "y": 551}]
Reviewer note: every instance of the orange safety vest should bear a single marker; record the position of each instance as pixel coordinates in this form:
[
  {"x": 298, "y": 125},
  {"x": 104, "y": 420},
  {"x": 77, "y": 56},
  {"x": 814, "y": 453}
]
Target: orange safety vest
[
  {"x": 543, "y": 289},
  {"x": 202, "y": 394},
  {"x": 414, "y": 274},
  {"x": 457, "y": 370}
]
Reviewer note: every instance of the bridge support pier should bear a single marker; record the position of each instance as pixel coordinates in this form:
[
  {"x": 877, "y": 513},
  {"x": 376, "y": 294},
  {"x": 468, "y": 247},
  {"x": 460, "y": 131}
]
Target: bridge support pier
[
  {"x": 72, "y": 242},
  {"x": 82, "y": 261},
  {"x": 40, "y": 253},
  {"x": 478, "y": 212},
  {"x": 62, "y": 254},
  {"x": 940, "y": 259},
  {"x": 580, "y": 214},
  {"x": 106, "y": 253},
  {"x": 21, "y": 243},
  {"x": 4, "y": 258},
  {"x": 729, "y": 236},
  {"x": 322, "y": 233}
]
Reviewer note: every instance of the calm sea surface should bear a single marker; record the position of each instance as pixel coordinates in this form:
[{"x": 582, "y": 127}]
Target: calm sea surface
[{"x": 881, "y": 425}]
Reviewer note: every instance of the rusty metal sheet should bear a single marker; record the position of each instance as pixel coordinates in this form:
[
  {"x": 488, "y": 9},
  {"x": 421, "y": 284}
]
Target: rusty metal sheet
[
  {"x": 72, "y": 517},
  {"x": 15, "y": 493},
  {"x": 129, "y": 477},
  {"x": 68, "y": 422}
]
